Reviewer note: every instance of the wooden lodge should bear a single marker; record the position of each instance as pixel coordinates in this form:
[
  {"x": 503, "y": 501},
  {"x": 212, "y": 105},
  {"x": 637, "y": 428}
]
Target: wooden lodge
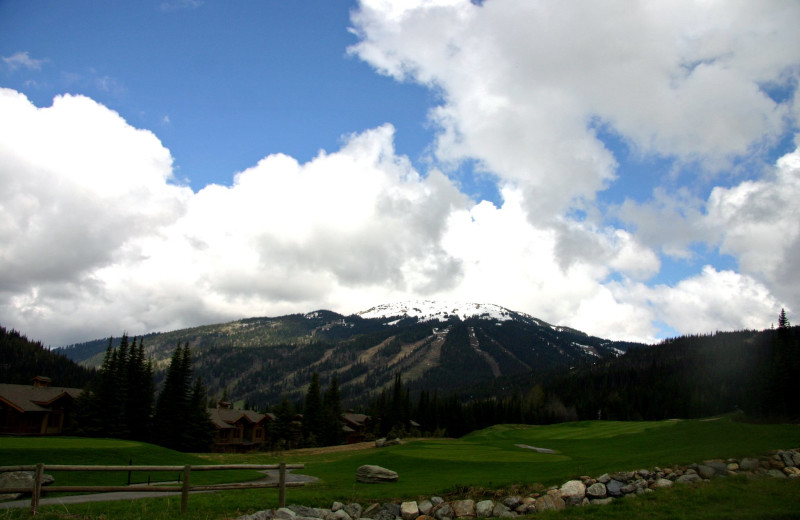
[{"x": 37, "y": 409}]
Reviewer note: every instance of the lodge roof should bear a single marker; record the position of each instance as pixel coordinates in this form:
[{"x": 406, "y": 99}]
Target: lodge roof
[
  {"x": 224, "y": 418},
  {"x": 27, "y": 398}
]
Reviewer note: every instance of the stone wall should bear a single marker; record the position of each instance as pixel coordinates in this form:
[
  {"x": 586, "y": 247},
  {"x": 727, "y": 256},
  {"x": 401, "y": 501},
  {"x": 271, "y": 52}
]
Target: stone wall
[{"x": 574, "y": 493}]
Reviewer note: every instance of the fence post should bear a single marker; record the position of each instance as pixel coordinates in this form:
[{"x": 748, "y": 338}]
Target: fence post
[
  {"x": 37, "y": 488},
  {"x": 282, "y": 485},
  {"x": 185, "y": 490}
]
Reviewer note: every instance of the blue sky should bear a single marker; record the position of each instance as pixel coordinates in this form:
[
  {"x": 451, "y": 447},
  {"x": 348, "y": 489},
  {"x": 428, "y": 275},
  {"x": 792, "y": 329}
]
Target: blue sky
[{"x": 628, "y": 171}]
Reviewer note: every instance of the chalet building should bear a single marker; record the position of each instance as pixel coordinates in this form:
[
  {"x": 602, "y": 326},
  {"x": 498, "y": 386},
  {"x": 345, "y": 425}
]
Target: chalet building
[
  {"x": 354, "y": 426},
  {"x": 239, "y": 430},
  {"x": 37, "y": 409}
]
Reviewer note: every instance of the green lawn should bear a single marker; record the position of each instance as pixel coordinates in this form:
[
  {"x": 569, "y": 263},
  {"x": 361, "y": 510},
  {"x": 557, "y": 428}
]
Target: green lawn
[
  {"x": 488, "y": 459},
  {"x": 106, "y": 452}
]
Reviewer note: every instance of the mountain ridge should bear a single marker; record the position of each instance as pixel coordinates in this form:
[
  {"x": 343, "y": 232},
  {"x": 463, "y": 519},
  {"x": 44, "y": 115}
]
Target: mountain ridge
[{"x": 436, "y": 345}]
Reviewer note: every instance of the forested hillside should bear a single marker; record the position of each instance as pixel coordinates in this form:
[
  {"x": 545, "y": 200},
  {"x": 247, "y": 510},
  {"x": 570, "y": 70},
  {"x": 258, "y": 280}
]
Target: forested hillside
[{"x": 22, "y": 359}]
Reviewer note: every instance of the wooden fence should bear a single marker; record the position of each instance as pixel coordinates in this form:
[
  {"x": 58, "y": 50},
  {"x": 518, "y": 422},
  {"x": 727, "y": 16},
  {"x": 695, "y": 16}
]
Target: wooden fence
[{"x": 185, "y": 488}]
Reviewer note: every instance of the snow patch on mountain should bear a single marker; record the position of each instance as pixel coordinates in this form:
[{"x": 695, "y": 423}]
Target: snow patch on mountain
[{"x": 428, "y": 310}]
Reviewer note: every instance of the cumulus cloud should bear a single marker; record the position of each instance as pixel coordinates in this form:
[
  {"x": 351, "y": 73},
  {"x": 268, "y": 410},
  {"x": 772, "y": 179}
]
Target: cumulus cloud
[
  {"x": 524, "y": 84},
  {"x": 99, "y": 237}
]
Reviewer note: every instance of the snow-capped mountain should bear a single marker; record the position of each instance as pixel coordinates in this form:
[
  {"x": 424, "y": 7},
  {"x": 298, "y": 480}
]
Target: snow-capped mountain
[
  {"x": 435, "y": 345},
  {"x": 428, "y": 310}
]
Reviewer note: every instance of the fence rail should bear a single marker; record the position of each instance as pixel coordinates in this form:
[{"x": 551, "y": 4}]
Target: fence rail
[{"x": 185, "y": 488}]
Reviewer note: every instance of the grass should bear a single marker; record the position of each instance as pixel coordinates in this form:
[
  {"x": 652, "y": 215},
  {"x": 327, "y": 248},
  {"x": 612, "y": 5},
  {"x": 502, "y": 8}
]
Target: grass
[
  {"x": 107, "y": 452},
  {"x": 490, "y": 459}
]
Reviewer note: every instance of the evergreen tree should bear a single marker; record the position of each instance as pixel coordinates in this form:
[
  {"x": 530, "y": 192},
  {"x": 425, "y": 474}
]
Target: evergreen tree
[
  {"x": 332, "y": 413},
  {"x": 313, "y": 422},
  {"x": 172, "y": 406},
  {"x": 783, "y": 321},
  {"x": 198, "y": 433}
]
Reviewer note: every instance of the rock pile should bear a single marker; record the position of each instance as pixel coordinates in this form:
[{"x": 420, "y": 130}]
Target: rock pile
[{"x": 578, "y": 492}]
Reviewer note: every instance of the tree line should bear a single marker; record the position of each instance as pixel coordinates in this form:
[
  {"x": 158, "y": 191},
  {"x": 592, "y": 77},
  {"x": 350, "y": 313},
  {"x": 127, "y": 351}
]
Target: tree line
[{"x": 121, "y": 402}]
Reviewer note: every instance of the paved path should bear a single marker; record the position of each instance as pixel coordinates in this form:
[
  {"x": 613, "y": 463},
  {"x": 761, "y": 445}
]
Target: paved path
[{"x": 271, "y": 476}]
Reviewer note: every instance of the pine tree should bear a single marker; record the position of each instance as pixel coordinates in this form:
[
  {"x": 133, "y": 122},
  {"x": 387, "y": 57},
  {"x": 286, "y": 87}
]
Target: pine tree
[
  {"x": 172, "y": 406},
  {"x": 332, "y": 412},
  {"x": 198, "y": 433},
  {"x": 313, "y": 424},
  {"x": 783, "y": 321}
]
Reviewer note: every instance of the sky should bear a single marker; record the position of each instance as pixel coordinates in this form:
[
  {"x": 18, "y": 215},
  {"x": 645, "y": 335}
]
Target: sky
[{"x": 630, "y": 169}]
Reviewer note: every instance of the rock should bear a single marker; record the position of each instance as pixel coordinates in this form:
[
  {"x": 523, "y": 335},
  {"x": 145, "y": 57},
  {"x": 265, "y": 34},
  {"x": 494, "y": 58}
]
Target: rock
[
  {"x": 511, "y": 502},
  {"x": 796, "y": 459},
  {"x": 614, "y": 488},
  {"x": 285, "y": 513},
  {"x": 622, "y": 476},
  {"x": 354, "y": 510},
  {"x": 370, "y": 511},
  {"x": 792, "y": 471},
  {"x": 604, "y": 478},
  {"x": 370, "y": 474},
  {"x": 443, "y": 511},
  {"x": 409, "y": 510},
  {"x": 437, "y": 500},
  {"x": 383, "y": 443},
  {"x": 308, "y": 512},
  {"x": 720, "y": 468},
  {"x": 463, "y": 508},
  {"x": 733, "y": 466},
  {"x": 573, "y": 492},
  {"x": 749, "y": 464},
  {"x": 786, "y": 457},
  {"x": 501, "y": 511},
  {"x": 22, "y": 479},
  {"x": 550, "y": 502},
  {"x": 601, "y": 501},
  {"x": 596, "y": 491},
  {"x": 336, "y": 506},
  {"x": 689, "y": 478},
  {"x": 706, "y": 471},
  {"x": 425, "y": 507},
  {"x": 662, "y": 483},
  {"x": 775, "y": 473},
  {"x": 483, "y": 509}
]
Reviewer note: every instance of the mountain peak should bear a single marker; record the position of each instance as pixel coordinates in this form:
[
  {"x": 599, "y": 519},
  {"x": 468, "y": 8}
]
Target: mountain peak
[{"x": 428, "y": 310}]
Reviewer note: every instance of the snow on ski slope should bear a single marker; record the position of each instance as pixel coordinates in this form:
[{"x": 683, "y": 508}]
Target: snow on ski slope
[{"x": 427, "y": 310}]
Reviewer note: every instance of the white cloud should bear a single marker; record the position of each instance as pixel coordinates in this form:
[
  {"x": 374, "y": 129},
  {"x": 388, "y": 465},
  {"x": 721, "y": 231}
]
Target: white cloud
[
  {"x": 523, "y": 83},
  {"x": 22, "y": 60}
]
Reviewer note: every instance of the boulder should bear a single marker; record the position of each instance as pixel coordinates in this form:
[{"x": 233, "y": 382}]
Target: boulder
[
  {"x": 463, "y": 508},
  {"x": 614, "y": 488},
  {"x": 662, "y": 483},
  {"x": 341, "y": 515},
  {"x": 409, "y": 510},
  {"x": 596, "y": 491},
  {"x": 285, "y": 513},
  {"x": 483, "y": 509},
  {"x": 370, "y": 474},
  {"x": 354, "y": 510},
  {"x": 550, "y": 502},
  {"x": 501, "y": 511},
  {"x": 749, "y": 464},
  {"x": 706, "y": 471},
  {"x": 573, "y": 491},
  {"x": 443, "y": 511},
  {"x": 604, "y": 478},
  {"x": 786, "y": 457},
  {"x": 383, "y": 443},
  {"x": 21, "y": 479},
  {"x": 601, "y": 501},
  {"x": 425, "y": 507},
  {"x": 689, "y": 478},
  {"x": 370, "y": 511},
  {"x": 775, "y": 473}
]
